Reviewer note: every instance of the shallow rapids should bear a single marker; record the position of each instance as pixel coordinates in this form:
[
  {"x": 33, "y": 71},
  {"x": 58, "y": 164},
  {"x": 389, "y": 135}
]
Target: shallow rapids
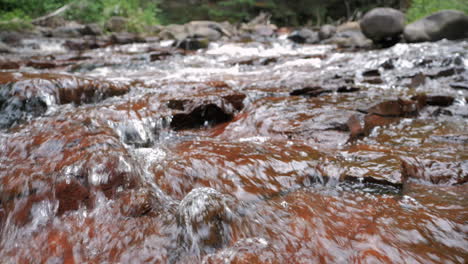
[{"x": 241, "y": 153}]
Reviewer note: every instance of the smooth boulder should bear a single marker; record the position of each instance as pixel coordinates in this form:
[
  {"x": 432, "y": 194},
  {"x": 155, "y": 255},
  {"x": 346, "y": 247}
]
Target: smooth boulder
[
  {"x": 449, "y": 24},
  {"x": 383, "y": 25}
]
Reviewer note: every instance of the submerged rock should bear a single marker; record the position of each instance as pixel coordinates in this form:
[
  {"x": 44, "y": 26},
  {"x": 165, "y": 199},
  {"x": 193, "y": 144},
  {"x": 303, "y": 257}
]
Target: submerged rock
[
  {"x": 203, "y": 217},
  {"x": 66, "y": 161},
  {"x": 436, "y": 171},
  {"x": 383, "y": 25},
  {"x": 449, "y": 24},
  {"x": 27, "y": 95}
]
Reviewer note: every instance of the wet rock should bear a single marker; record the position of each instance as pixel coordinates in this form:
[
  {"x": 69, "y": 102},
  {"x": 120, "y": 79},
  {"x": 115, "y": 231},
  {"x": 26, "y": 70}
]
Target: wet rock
[
  {"x": 459, "y": 85},
  {"x": 249, "y": 250},
  {"x": 12, "y": 38},
  {"x": 135, "y": 134},
  {"x": 314, "y": 91},
  {"x": 173, "y": 32},
  {"x": 86, "y": 43},
  {"x": 116, "y": 24},
  {"x": 268, "y": 30},
  {"x": 16, "y": 109},
  {"x": 373, "y": 80},
  {"x": 209, "y": 114},
  {"x": 327, "y": 31},
  {"x": 203, "y": 218},
  {"x": 349, "y": 39},
  {"x": 388, "y": 64},
  {"x": 363, "y": 164},
  {"x": 399, "y": 108},
  {"x": 347, "y": 89},
  {"x": 27, "y": 95},
  {"x": 9, "y": 65},
  {"x": 310, "y": 91},
  {"x": 304, "y": 35},
  {"x": 417, "y": 80},
  {"x": 68, "y": 31},
  {"x": 371, "y": 73},
  {"x": 435, "y": 171},
  {"x": 162, "y": 54},
  {"x": 454, "y": 138},
  {"x": 136, "y": 202},
  {"x": 4, "y": 48},
  {"x": 66, "y": 161},
  {"x": 192, "y": 44},
  {"x": 449, "y": 24},
  {"x": 355, "y": 128},
  {"x": 440, "y": 100},
  {"x": 385, "y": 113},
  {"x": 383, "y": 25},
  {"x": 126, "y": 38},
  {"x": 92, "y": 30},
  {"x": 71, "y": 195},
  {"x": 47, "y": 64},
  {"x": 208, "y": 111},
  {"x": 445, "y": 72},
  {"x": 210, "y": 30}
]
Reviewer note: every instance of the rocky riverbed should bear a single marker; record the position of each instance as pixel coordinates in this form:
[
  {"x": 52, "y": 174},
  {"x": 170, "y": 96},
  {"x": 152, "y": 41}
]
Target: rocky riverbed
[{"x": 244, "y": 152}]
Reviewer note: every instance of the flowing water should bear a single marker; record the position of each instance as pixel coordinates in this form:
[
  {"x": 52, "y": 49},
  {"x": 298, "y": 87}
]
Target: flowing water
[{"x": 241, "y": 153}]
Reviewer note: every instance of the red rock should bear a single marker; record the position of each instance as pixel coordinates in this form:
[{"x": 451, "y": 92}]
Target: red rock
[{"x": 435, "y": 171}]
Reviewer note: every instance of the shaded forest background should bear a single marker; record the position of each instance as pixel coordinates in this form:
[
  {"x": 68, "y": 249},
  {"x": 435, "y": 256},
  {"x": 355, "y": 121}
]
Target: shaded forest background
[{"x": 284, "y": 12}]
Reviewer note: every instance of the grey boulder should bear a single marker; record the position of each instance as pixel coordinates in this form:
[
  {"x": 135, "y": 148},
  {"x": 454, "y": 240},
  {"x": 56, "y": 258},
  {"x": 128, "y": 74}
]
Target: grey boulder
[
  {"x": 449, "y": 24},
  {"x": 383, "y": 25}
]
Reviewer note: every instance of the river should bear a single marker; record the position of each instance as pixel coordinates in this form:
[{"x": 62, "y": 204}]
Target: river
[{"x": 241, "y": 153}]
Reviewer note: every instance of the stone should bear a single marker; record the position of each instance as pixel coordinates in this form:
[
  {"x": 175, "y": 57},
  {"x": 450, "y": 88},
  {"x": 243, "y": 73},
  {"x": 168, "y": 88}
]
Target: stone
[
  {"x": 72, "y": 30},
  {"x": 383, "y": 25},
  {"x": 9, "y": 65},
  {"x": 207, "y": 29},
  {"x": 203, "y": 217},
  {"x": 449, "y": 24},
  {"x": 349, "y": 26},
  {"x": 4, "y": 48},
  {"x": 435, "y": 171},
  {"x": 304, "y": 35},
  {"x": 193, "y": 43},
  {"x": 92, "y": 30},
  {"x": 27, "y": 95},
  {"x": 327, "y": 31},
  {"x": 349, "y": 39},
  {"x": 123, "y": 38},
  {"x": 174, "y": 32}
]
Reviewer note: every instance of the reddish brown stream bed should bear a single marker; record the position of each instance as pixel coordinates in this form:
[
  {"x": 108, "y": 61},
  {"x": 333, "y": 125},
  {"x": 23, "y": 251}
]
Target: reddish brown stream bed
[{"x": 241, "y": 153}]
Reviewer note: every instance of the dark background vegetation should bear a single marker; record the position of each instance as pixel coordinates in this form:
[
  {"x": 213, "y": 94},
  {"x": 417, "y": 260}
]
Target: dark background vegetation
[{"x": 284, "y": 12}]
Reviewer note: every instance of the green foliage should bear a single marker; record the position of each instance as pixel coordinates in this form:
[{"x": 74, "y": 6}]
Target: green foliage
[
  {"x": 140, "y": 13},
  {"x": 28, "y": 8},
  {"x": 15, "y": 24},
  {"x": 422, "y": 8},
  {"x": 284, "y": 12}
]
